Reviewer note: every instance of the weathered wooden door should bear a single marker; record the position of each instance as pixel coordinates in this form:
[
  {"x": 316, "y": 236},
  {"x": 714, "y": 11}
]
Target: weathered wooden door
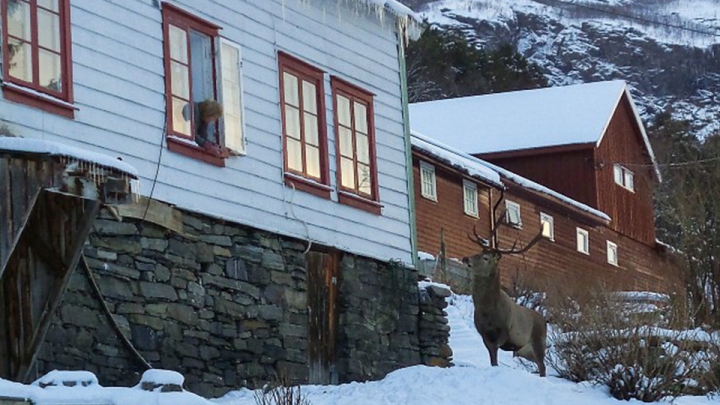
[{"x": 323, "y": 269}]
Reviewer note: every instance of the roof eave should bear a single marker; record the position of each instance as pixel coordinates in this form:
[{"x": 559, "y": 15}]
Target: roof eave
[{"x": 638, "y": 121}]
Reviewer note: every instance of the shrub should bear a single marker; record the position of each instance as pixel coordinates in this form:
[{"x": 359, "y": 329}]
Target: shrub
[
  {"x": 600, "y": 343},
  {"x": 280, "y": 394}
]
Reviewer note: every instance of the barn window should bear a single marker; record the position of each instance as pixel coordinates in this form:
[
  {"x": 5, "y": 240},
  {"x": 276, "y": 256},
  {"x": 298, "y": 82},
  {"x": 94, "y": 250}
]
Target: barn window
[
  {"x": 583, "y": 241},
  {"x": 512, "y": 213},
  {"x": 470, "y": 198},
  {"x": 624, "y": 177},
  {"x": 427, "y": 181},
  {"x": 303, "y": 123},
  {"x": 36, "y": 54},
  {"x": 548, "y": 226},
  {"x": 203, "y": 94},
  {"x": 354, "y": 128},
  {"x": 612, "y": 253}
]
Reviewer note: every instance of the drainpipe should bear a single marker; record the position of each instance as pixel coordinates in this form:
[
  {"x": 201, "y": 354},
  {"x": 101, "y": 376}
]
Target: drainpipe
[{"x": 408, "y": 145}]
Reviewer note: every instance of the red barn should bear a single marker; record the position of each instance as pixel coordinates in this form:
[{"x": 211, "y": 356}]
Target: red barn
[{"x": 576, "y": 157}]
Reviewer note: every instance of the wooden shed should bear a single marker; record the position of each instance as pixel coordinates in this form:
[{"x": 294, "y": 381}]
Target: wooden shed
[{"x": 50, "y": 195}]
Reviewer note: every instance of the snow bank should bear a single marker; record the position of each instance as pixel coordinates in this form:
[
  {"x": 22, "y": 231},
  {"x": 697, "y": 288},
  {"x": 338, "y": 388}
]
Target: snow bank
[{"x": 94, "y": 394}]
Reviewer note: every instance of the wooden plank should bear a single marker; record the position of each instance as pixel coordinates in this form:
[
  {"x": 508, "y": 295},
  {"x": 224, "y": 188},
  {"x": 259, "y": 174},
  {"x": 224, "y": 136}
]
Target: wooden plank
[
  {"x": 322, "y": 325},
  {"x": 22, "y": 196},
  {"x": 10, "y": 285},
  {"x": 6, "y": 231},
  {"x": 4, "y": 338},
  {"x": 156, "y": 212},
  {"x": 84, "y": 213}
]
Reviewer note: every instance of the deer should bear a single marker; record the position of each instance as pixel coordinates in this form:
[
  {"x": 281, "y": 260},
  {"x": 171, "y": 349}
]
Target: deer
[{"x": 501, "y": 322}]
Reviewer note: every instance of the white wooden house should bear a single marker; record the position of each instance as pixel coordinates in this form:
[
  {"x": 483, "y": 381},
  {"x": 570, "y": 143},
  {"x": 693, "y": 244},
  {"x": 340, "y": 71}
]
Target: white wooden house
[
  {"x": 312, "y": 146},
  {"x": 102, "y": 79}
]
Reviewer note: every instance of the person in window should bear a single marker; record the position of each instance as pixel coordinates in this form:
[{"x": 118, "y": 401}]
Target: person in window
[{"x": 207, "y": 113}]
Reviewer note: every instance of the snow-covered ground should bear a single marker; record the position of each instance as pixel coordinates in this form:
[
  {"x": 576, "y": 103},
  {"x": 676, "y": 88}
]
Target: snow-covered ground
[{"x": 471, "y": 381}]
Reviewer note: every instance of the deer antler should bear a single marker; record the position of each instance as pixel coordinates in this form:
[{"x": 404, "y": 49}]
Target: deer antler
[
  {"x": 477, "y": 239},
  {"x": 524, "y": 249}
]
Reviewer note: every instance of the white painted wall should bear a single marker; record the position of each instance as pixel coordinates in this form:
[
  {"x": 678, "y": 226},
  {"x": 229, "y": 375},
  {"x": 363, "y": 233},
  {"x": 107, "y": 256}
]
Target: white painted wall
[{"x": 119, "y": 91}]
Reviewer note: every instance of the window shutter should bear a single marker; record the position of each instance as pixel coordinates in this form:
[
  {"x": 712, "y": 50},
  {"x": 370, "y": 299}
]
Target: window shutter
[{"x": 231, "y": 92}]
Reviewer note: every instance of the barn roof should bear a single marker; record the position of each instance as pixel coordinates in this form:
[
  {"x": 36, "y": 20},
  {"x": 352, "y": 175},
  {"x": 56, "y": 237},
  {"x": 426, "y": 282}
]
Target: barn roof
[{"x": 527, "y": 119}]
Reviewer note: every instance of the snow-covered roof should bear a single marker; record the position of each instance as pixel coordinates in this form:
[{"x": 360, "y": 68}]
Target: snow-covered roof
[
  {"x": 39, "y": 146},
  {"x": 456, "y": 159},
  {"x": 527, "y": 119},
  {"x": 491, "y": 172}
]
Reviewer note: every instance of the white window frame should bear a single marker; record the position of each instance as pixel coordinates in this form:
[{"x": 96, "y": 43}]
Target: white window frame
[
  {"x": 427, "y": 176},
  {"x": 470, "y": 198},
  {"x": 612, "y": 253},
  {"x": 515, "y": 207},
  {"x": 545, "y": 218},
  {"x": 624, "y": 177},
  {"x": 583, "y": 235},
  {"x": 240, "y": 146}
]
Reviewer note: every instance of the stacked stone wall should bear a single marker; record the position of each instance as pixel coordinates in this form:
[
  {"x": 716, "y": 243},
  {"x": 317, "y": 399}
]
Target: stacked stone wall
[{"x": 226, "y": 306}]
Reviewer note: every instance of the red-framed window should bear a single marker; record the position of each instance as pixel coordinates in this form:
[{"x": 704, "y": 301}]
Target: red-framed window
[
  {"x": 36, "y": 55},
  {"x": 356, "y": 159},
  {"x": 303, "y": 124},
  {"x": 194, "y": 76}
]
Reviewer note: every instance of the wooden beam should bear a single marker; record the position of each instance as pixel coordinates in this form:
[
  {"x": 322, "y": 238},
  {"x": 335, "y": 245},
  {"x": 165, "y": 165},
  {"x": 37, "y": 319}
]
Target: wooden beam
[
  {"x": 88, "y": 210},
  {"x": 18, "y": 213},
  {"x": 155, "y": 212}
]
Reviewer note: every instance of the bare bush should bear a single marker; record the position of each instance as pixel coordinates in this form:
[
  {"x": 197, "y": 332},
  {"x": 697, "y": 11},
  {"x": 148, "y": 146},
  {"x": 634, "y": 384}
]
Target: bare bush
[
  {"x": 280, "y": 394},
  {"x": 600, "y": 343}
]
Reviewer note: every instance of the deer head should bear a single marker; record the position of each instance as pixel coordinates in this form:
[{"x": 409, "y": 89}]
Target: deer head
[{"x": 485, "y": 263}]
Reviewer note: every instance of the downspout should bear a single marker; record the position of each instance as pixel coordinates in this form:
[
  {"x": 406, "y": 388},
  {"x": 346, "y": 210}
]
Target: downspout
[{"x": 408, "y": 145}]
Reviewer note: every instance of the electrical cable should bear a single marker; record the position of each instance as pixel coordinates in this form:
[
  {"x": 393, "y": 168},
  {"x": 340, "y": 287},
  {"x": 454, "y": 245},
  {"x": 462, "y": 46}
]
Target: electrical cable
[
  {"x": 108, "y": 314},
  {"x": 292, "y": 212}
]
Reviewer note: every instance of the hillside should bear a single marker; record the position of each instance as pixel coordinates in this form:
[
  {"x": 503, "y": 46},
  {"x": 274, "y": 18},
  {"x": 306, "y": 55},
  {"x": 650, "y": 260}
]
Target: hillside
[{"x": 668, "y": 50}]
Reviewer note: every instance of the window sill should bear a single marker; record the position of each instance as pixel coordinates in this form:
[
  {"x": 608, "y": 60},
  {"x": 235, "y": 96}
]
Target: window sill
[
  {"x": 188, "y": 149},
  {"x": 471, "y": 215},
  {"x": 33, "y": 98},
  {"x": 429, "y": 198},
  {"x": 307, "y": 186},
  {"x": 359, "y": 202}
]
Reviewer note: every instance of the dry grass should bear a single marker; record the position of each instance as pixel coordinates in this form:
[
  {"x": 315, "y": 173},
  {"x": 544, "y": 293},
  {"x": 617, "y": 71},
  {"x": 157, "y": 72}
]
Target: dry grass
[{"x": 280, "y": 393}]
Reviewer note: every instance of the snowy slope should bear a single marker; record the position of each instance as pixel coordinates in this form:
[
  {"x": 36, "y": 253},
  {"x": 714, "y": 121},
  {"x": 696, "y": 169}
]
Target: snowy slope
[
  {"x": 667, "y": 50},
  {"x": 472, "y": 381}
]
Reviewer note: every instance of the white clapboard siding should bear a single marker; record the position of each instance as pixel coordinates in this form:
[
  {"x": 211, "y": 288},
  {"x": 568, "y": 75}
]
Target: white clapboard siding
[{"x": 119, "y": 90}]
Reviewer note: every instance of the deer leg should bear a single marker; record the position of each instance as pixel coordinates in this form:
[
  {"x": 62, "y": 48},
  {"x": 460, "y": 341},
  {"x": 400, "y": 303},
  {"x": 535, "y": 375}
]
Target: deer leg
[
  {"x": 492, "y": 348},
  {"x": 538, "y": 347},
  {"x": 526, "y": 352}
]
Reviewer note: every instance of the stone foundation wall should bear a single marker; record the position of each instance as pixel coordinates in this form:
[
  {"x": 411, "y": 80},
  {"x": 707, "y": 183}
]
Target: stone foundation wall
[
  {"x": 434, "y": 329},
  {"x": 226, "y": 306},
  {"x": 378, "y": 326}
]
